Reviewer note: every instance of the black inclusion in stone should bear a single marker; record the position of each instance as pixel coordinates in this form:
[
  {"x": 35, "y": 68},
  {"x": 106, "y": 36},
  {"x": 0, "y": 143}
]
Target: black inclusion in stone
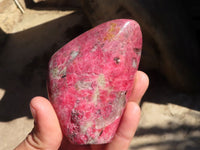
[{"x": 117, "y": 60}]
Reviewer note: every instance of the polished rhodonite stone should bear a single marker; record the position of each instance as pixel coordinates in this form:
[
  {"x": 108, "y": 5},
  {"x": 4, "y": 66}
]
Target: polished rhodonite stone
[{"x": 91, "y": 78}]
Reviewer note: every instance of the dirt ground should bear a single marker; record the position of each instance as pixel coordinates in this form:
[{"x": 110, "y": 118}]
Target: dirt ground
[{"x": 170, "y": 119}]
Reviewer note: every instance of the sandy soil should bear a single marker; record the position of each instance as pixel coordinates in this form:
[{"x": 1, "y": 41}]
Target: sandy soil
[{"x": 170, "y": 119}]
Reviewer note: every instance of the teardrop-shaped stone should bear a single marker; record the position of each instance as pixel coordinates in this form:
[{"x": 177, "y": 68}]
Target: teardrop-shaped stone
[{"x": 91, "y": 78}]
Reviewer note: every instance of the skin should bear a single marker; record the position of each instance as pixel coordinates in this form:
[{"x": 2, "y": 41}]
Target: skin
[{"x": 47, "y": 135}]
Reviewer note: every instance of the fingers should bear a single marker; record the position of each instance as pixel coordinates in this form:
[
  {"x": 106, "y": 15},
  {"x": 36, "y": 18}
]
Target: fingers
[
  {"x": 140, "y": 86},
  {"x": 131, "y": 116},
  {"x": 46, "y": 133},
  {"x": 127, "y": 128}
]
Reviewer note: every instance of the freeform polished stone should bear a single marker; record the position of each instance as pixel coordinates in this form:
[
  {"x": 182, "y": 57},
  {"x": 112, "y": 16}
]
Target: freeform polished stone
[{"x": 91, "y": 78}]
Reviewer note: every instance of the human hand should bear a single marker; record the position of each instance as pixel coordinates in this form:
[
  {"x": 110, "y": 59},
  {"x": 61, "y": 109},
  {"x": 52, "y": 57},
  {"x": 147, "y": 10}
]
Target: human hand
[{"x": 47, "y": 134}]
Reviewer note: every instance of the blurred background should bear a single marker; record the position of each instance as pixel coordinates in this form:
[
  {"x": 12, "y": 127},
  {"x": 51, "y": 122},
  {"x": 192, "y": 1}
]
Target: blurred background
[{"x": 32, "y": 30}]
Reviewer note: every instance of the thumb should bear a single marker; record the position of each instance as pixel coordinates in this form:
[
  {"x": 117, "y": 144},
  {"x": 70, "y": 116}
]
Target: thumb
[{"x": 46, "y": 133}]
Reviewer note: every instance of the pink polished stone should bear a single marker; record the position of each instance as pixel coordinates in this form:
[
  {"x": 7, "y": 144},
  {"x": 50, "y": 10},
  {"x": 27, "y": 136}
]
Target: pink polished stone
[{"x": 91, "y": 78}]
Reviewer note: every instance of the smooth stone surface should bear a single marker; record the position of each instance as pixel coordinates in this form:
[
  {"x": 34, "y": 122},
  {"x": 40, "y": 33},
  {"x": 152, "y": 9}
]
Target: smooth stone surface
[{"x": 91, "y": 78}]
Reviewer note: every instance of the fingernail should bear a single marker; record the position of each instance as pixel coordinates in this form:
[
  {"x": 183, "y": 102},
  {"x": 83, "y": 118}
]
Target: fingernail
[{"x": 33, "y": 112}]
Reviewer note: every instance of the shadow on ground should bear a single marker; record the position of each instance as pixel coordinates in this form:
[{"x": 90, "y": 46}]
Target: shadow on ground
[
  {"x": 161, "y": 92},
  {"x": 171, "y": 144},
  {"x": 189, "y": 142}
]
